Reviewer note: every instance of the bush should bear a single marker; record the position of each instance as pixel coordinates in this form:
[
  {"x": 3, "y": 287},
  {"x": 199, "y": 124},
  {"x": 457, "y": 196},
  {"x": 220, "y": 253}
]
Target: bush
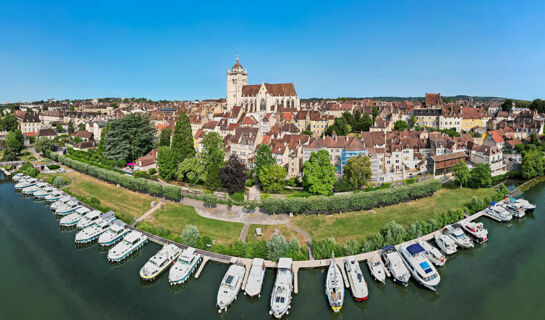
[
  {"x": 322, "y": 248},
  {"x": 94, "y": 202},
  {"x": 237, "y": 197},
  {"x": 250, "y": 205},
  {"x": 53, "y": 166},
  {"x": 410, "y": 181},
  {"x": 209, "y": 200},
  {"x": 152, "y": 171},
  {"x": 59, "y": 182},
  {"x": 249, "y": 183},
  {"x": 343, "y": 185},
  {"x": 191, "y": 236},
  {"x": 28, "y": 169}
]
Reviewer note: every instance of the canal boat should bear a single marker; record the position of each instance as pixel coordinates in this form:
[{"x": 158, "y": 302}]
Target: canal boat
[
  {"x": 334, "y": 286},
  {"x": 420, "y": 267},
  {"x": 30, "y": 190},
  {"x": 67, "y": 208},
  {"x": 376, "y": 269},
  {"x": 115, "y": 233},
  {"x": 93, "y": 231},
  {"x": 393, "y": 261},
  {"x": 25, "y": 183},
  {"x": 283, "y": 288},
  {"x": 44, "y": 192},
  {"x": 17, "y": 177},
  {"x": 60, "y": 202},
  {"x": 230, "y": 286},
  {"x": 358, "y": 285},
  {"x": 70, "y": 220},
  {"x": 185, "y": 265},
  {"x": 432, "y": 253},
  {"x": 526, "y": 205},
  {"x": 445, "y": 243},
  {"x": 54, "y": 196},
  {"x": 255, "y": 278},
  {"x": 159, "y": 262},
  {"x": 455, "y": 232},
  {"x": 476, "y": 230},
  {"x": 515, "y": 209},
  {"x": 130, "y": 243},
  {"x": 88, "y": 218},
  {"x": 499, "y": 213}
]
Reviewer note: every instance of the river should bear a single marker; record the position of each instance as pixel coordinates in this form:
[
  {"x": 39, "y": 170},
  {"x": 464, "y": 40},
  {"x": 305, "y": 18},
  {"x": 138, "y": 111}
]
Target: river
[{"x": 43, "y": 275}]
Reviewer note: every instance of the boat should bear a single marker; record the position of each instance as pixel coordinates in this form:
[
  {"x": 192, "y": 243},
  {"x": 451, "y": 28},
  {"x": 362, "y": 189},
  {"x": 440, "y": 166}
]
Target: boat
[
  {"x": 54, "y": 196},
  {"x": 17, "y": 177},
  {"x": 376, "y": 269},
  {"x": 432, "y": 253},
  {"x": 93, "y": 231},
  {"x": 185, "y": 264},
  {"x": 42, "y": 193},
  {"x": 445, "y": 243},
  {"x": 67, "y": 208},
  {"x": 30, "y": 190},
  {"x": 420, "y": 267},
  {"x": 230, "y": 286},
  {"x": 526, "y": 205},
  {"x": 255, "y": 278},
  {"x": 130, "y": 243},
  {"x": 358, "y": 285},
  {"x": 25, "y": 183},
  {"x": 476, "y": 230},
  {"x": 393, "y": 261},
  {"x": 115, "y": 233},
  {"x": 334, "y": 286},
  {"x": 283, "y": 288},
  {"x": 88, "y": 218},
  {"x": 59, "y": 202},
  {"x": 515, "y": 209},
  {"x": 70, "y": 219},
  {"x": 455, "y": 232},
  {"x": 41, "y": 184},
  {"x": 159, "y": 262},
  {"x": 499, "y": 213}
]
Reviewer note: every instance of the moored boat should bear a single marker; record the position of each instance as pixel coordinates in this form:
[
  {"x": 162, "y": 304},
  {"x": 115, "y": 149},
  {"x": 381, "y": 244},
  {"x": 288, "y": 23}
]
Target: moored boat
[
  {"x": 93, "y": 231},
  {"x": 54, "y": 196},
  {"x": 130, "y": 243},
  {"x": 25, "y": 183},
  {"x": 515, "y": 209},
  {"x": 282, "y": 289},
  {"x": 432, "y": 253},
  {"x": 115, "y": 233},
  {"x": 255, "y": 278},
  {"x": 185, "y": 264},
  {"x": 334, "y": 286},
  {"x": 455, "y": 232},
  {"x": 44, "y": 192},
  {"x": 70, "y": 219},
  {"x": 358, "y": 285},
  {"x": 499, "y": 213},
  {"x": 476, "y": 230},
  {"x": 526, "y": 205},
  {"x": 67, "y": 208},
  {"x": 376, "y": 269},
  {"x": 420, "y": 267},
  {"x": 445, "y": 243},
  {"x": 17, "y": 177},
  {"x": 230, "y": 286},
  {"x": 159, "y": 262},
  {"x": 88, "y": 218},
  {"x": 60, "y": 202},
  {"x": 30, "y": 190},
  {"x": 393, "y": 261}
]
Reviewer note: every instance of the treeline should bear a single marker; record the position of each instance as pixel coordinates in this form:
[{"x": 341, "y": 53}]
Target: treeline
[
  {"x": 349, "y": 202},
  {"x": 126, "y": 181}
]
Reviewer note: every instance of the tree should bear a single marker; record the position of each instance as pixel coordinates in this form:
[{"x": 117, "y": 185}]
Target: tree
[
  {"x": 340, "y": 126},
  {"x": 59, "y": 182},
  {"x": 164, "y": 137},
  {"x": 277, "y": 247},
  {"x": 43, "y": 145},
  {"x": 307, "y": 132},
  {"x": 129, "y": 138},
  {"x": 375, "y": 113},
  {"x": 191, "y": 170},
  {"x": 319, "y": 174},
  {"x": 9, "y": 123},
  {"x": 213, "y": 179},
  {"x": 538, "y": 105},
  {"x": 166, "y": 163},
  {"x": 507, "y": 105},
  {"x": 461, "y": 173},
  {"x": 480, "y": 176},
  {"x": 103, "y": 133},
  {"x": 15, "y": 141},
  {"x": 358, "y": 170},
  {"x": 213, "y": 150},
  {"x": 532, "y": 164},
  {"x": 364, "y": 124},
  {"x": 233, "y": 175},
  {"x": 350, "y": 119},
  {"x": 182, "y": 139},
  {"x": 273, "y": 178},
  {"x": 81, "y": 126},
  {"x": 263, "y": 158},
  {"x": 59, "y": 128},
  {"x": 401, "y": 125},
  {"x": 70, "y": 127},
  {"x": 191, "y": 235}
]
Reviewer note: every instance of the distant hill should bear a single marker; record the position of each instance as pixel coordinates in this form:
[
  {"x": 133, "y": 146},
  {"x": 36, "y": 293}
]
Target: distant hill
[{"x": 457, "y": 97}]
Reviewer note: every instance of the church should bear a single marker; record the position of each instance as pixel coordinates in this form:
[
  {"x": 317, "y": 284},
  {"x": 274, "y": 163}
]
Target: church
[{"x": 261, "y": 98}]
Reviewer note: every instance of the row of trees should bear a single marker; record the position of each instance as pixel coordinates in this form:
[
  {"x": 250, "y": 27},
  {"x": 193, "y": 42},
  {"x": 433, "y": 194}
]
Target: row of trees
[{"x": 479, "y": 176}]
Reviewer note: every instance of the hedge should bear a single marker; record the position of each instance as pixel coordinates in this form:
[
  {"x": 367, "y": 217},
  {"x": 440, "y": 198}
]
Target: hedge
[
  {"x": 351, "y": 202},
  {"x": 124, "y": 180}
]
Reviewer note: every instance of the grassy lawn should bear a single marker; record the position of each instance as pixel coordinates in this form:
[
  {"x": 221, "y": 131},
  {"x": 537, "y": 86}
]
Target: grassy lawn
[
  {"x": 49, "y": 177},
  {"x": 268, "y": 231},
  {"x": 170, "y": 221},
  {"x": 127, "y": 204},
  {"x": 361, "y": 224}
]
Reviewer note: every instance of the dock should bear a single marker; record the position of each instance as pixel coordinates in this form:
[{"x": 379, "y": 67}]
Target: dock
[
  {"x": 201, "y": 267},
  {"x": 248, "y": 266},
  {"x": 6, "y": 172},
  {"x": 340, "y": 263}
]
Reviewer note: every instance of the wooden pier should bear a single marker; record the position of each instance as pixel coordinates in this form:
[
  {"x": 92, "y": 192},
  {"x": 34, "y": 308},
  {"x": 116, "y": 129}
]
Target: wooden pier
[
  {"x": 201, "y": 267},
  {"x": 6, "y": 172}
]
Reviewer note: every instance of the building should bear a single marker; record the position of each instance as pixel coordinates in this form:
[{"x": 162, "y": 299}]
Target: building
[
  {"x": 433, "y": 99},
  {"x": 28, "y": 122},
  {"x": 444, "y": 162}
]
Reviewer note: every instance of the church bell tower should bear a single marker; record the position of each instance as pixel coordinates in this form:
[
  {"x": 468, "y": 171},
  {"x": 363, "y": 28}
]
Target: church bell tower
[{"x": 237, "y": 77}]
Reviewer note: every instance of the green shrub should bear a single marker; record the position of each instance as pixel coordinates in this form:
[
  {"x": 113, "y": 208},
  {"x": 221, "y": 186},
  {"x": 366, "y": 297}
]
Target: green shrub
[
  {"x": 410, "y": 181},
  {"x": 250, "y": 205},
  {"x": 209, "y": 200},
  {"x": 237, "y": 197},
  {"x": 53, "y": 166},
  {"x": 152, "y": 171},
  {"x": 94, "y": 202},
  {"x": 59, "y": 182},
  {"x": 249, "y": 183},
  {"x": 28, "y": 169}
]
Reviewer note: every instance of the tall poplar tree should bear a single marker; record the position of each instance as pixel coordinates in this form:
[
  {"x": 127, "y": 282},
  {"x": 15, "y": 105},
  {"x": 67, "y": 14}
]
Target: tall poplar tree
[{"x": 182, "y": 140}]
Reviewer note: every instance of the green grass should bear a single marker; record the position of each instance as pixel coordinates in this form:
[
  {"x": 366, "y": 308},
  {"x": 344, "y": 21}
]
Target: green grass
[
  {"x": 268, "y": 231},
  {"x": 359, "y": 225},
  {"x": 172, "y": 219}
]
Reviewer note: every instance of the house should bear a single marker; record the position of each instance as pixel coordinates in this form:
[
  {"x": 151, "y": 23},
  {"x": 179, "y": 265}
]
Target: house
[
  {"x": 490, "y": 155},
  {"x": 47, "y": 133},
  {"x": 442, "y": 164},
  {"x": 28, "y": 122},
  {"x": 146, "y": 162},
  {"x": 84, "y": 135},
  {"x": 493, "y": 138},
  {"x": 244, "y": 143}
]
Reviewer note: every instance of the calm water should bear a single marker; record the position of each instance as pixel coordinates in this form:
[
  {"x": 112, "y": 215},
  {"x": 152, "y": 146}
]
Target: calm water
[{"x": 43, "y": 275}]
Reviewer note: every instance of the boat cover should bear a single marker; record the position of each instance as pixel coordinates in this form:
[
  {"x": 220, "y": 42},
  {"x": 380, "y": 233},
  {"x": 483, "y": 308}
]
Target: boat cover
[{"x": 415, "y": 248}]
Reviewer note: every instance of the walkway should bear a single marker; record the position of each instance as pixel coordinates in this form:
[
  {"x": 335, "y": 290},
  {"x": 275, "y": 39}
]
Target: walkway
[{"x": 148, "y": 213}]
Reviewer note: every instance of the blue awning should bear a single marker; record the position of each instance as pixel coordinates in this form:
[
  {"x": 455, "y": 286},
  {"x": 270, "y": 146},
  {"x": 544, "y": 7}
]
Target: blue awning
[{"x": 415, "y": 248}]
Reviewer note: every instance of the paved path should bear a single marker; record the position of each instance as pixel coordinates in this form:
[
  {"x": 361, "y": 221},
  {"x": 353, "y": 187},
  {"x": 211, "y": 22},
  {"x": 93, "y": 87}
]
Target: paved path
[
  {"x": 307, "y": 237},
  {"x": 147, "y": 214}
]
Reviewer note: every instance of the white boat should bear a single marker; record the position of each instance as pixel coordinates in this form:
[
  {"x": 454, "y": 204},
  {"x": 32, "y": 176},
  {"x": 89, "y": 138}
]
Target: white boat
[
  {"x": 358, "y": 285},
  {"x": 88, "y": 218},
  {"x": 515, "y": 209},
  {"x": 70, "y": 220},
  {"x": 159, "y": 262},
  {"x": 54, "y": 196},
  {"x": 67, "y": 208},
  {"x": 376, "y": 269},
  {"x": 185, "y": 264},
  {"x": 526, "y": 205},
  {"x": 420, "y": 267},
  {"x": 25, "y": 183},
  {"x": 59, "y": 202},
  {"x": 44, "y": 192},
  {"x": 115, "y": 233},
  {"x": 432, "y": 253},
  {"x": 230, "y": 286},
  {"x": 255, "y": 278},
  {"x": 41, "y": 184},
  {"x": 393, "y": 261},
  {"x": 499, "y": 213},
  {"x": 456, "y": 233},
  {"x": 30, "y": 190},
  {"x": 130, "y": 243},
  {"x": 334, "y": 286},
  {"x": 283, "y": 287},
  {"x": 93, "y": 231},
  {"x": 445, "y": 243},
  {"x": 17, "y": 177},
  {"x": 476, "y": 230}
]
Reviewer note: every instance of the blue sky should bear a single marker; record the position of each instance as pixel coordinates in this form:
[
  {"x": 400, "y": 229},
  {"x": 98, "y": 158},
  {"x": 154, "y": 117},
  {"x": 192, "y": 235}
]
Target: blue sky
[{"x": 181, "y": 50}]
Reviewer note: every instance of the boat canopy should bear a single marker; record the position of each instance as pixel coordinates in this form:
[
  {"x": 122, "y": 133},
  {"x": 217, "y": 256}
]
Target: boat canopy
[
  {"x": 493, "y": 203},
  {"x": 258, "y": 262},
  {"x": 284, "y": 263},
  {"x": 415, "y": 249},
  {"x": 388, "y": 248},
  {"x": 188, "y": 253}
]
